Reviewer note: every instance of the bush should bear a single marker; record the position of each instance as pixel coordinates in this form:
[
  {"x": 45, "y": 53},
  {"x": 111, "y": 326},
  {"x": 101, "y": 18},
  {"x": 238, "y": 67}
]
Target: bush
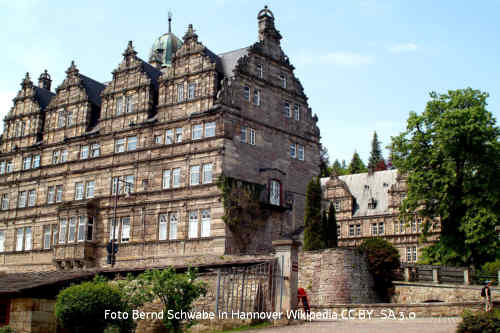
[
  {"x": 383, "y": 260},
  {"x": 6, "y": 329},
  {"x": 81, "y": 308},
  {"x": 481, "y": 322}
]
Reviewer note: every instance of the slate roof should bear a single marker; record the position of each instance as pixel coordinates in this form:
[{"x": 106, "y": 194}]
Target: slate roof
[
  {"x": 153, "y": 73},
  {"x": 229, "y": 60},
  {"x": 93, "y": 89},
  {"x": 365, "y": 186},
  {"x": 43, "y": 96}
]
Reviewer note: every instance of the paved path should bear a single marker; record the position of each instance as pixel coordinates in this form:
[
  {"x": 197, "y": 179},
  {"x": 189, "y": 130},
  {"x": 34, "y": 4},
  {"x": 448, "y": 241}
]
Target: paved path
[{"x": 419, "y": 325}]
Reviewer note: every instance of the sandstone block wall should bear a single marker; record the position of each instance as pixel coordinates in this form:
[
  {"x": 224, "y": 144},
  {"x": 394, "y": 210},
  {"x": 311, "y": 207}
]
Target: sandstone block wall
[
  {"x": 335, "y": 276},
  {"x": 33, "y": 315}
]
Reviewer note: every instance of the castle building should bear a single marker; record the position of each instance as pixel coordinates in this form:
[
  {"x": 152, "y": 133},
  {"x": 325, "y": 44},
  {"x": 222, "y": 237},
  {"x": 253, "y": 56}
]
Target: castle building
[
  {"x": 367, "y": 205},
  {"x": 137, "y": 159}
]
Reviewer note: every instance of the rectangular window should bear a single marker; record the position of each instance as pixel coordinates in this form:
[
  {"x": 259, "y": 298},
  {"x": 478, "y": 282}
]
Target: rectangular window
[
  {"x": 381, "y": 228},
  {"x": 36, "y": 161},
  {"x": 243, "y": 134},
  {"x": 419, "y": 224},
  {"x": 119, "y": 105},
  {"x": 113, "y": 230},
  {"x": 351, "y": 230},
  {"x": 293, "y": 150},
  {"x": 166, "y": 179},
  {"x": 5, "y": 201},
  {"x": 178, "y": 135},
  {"x": 10, "y": 166},
  {"x": 169, "y": 137},
  {"x": 61, "y": 120},
  {"x": 172, "y": 232},
  {"x": 55, "y": 234},
  {"x": 296, "y": 111},
  {"x": 191, "y": 90},
  {"x": 125, "y": 184},
  {"x": 131, "y": 143},
  {"x": 193, "y": 224},
  {"x": 194, "y": 175},
  {"x": 2, "y": 241},
  {"x": 162, "y": 227},
  {"x": 176, "y": 177},
  {"x": 251, "y": 139},
  {"x": 2, "y": 167},
  {"x": 286, "y": 110},
  {"x": 358, "y": 229},
  {"x": 275, "y": 195},
  {"x": 256, "y": 97},
  {"x": 260, "y": 71},
  {"x": 129, "y": 103},
  {"x": 27, "y": 163},
  {"x": 337, "y": 205},
  {"x": 246, "y": 93},
  {"x": 374, "y": 229},
  {"x": 19, "y": 239},
  {"x": 413, "y": 226},
  {"x": 300, "y": 152},
  {"x": 205, "y": 223},
  {"x": 158, "y": 139},
  {"x": 51, "y": 194},
  {"x": 82, "y": 224},
  {"x": 89, "y": 193},
  {"x": 63, "y": 225},
  {"x": 95, "y": 150},
  {"x": 59, "y": 193},
  {"x": 197, "y": 132},
  {"x": 210, "y": 129},
  {"x": 84, "y": 152},
  {"x": 396, "y": 227},
  {"x": 64, "y": 155},
  {"x": 207, "y": 173},
  {"x": 79, "y": 190},
  {"x": 408, "y": 254},
  {"x": 28, "y": 243},
  {"x": 120, "y": 145},
  {"x": 180, "y": 93},
  {"x": 414, "y": 254},
  {"x": 338, "y": 231},
  {"x": 90, "y": 228},
  {"x": 125, "y": 229},
  {"x": 22, "y": 199},
  {"x": 402, "y": 227},
  {"x": 69, "y": 118},
  {"x": 55, "y": 157},
  {"x": 72, "y": 229},
  {"x": 283, "y": 81}
]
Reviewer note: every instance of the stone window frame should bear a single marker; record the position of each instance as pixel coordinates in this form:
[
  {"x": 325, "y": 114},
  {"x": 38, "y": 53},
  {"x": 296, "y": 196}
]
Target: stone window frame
[
  {"x": 359, "y": 231},
  {"x": 51, "y": 194},
  {"x": 129, "y": 103},
  {"x": 178, "y": 134},
  {"x": 126, "y": 184},
  {"x": 287, "y": 110},
  {"x": 170, "y": 222},
  {"x": 4, "y": 205},
  {"x": 176, "y": 174},
  {"x": 351, "y": 230},
  {"x": 374, "y": 228},
  {"x": 256, "y": 99},
  {"x": 296, "y": 111},
  {"x": 246, "y": 93},
  {"x": 275, "y": 192},
  {"x": 169, "y": 136},
  {"x": 95, "y": 149},
  {"x": 243, "y": 134},
  {"x": 252, "y": 135},
  {"x": 22, "y": 199},
  {"x": 293, "y": 150},
  {"x": 201, "y": 223},
  {"x": 118, "y": 231},
  {"x": 180, "y": 92},
  {"x": 191, "y": 90},
  {"x": 2, "y": 241},
  {"x": 26, "y": 243},
  {"x": 166, "y": 182},
  {"x": 210, "y": 126},
  {"x": 300, "y": 152},
  {"x": 158, "y": 139},
  {"x": 194, "y": 177},
  {"x": 47, "y": 243},
  {"x": 207, "y": 173},
  {"x": 6, "y": 166},
  {"x": 119, "y": 105},
  {"x": 381, "y": 228},
  {"x": 260, "y": 70},
  {"x": 197, "y": 131},
  {"x": 283, "y": 81},
  {"x": 82, "y": 223},
  {"x": 59, "y": 156},
  {"x": 84, "y": 152}
]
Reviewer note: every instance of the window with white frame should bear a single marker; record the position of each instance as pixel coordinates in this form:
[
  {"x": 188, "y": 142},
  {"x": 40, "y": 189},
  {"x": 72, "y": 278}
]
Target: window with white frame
[
  {"x": 207, "y": 173},
  {"x": 84, "y": 152},
  {"x": 178, "y": 135},
  {"x": 166, "y": 179},
  {"x": 36, "y": 161},
  {"x": 120, "y": 145},
  {"x": 197, "y": 132},
  {"x": 79, "y": 190},
  {"x": 193, "y": 224},
  {"x": 205, "y": 223},
  {"x": 82, "y": 228},
  {"x": 243, "y": 134},
  {"x": 119, "y": 105},
  {"x": 59, "y": 193},
  {"x": 2, "y": 241},
  {"x": 158, "y": 139},
  {"x": 89, "y": 189},
  {"x": 210, "y": 129},
  {"x": 19, "y": 239},
  {"x": 246, "y": 93},
  {"x": 176, "y": 177},
  {"x": 286, "y": 110},
  {"x": 293, "y": 150},
  {"x": 358, "y": 229},
  {"x": 129, "y": 103},
  {"x": 296, "y": 111},
  {"x": 90, "y": 228},
  {"x": 396, "y": 227},
  {"x": 55, "y": 156},
  {"x": 413, "y": 226},
  {"x": 9, "y": 167},
  {"x": 24, "y": 239},
  {"x": 260, "y": 71},
  {"x": 194, "y": 175},
  {"x": 27, "y": 163},
  {"x": 163, "y": 227},
  {"x": 251, "y": 137},
  {"x": 300, "y": 152},
  {"x": 63, "y": 228},
  {"x": 5, "y": 201},
  {"x": 374, "y": 229},
  {"x": 402, "y": 227},
  {"x": 131, "y": 143},
  {"x": 351, "y": 230},
  {"x": 95, "y": 150},
  {"x": 283, "y": 81},
  {"x": 22, "y": 199},
  {"x": 120, "y": 228},
  {"x": 2, "y": 167},
  {"x": 172, "y": 232},
  {"x": 275, "y": 192},
  {"x": 125, "y": 184},
  {"x": 414, "y": 254},
  {"x": 381, "y": 229},
  {"x": 69, "y": 118},
  {"x": 6, "y": 166},
  {"x": 191, "y": 90},
  {"x": 51, "y": 194},
  {"x": 256, "y": 97},
  {"x": 419, "y": 224},
  {"x": 167, "y": 228},
  {"x": 180, "y": 92},
  {"x": 72, "y": 229},
  {"x": 125, "y": 235},
  {"x": 169, "y": 137},
  {"x": 61, "y": 119}
]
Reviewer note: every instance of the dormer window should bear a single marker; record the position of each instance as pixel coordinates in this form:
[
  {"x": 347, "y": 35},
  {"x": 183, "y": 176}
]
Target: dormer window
[{"x": 372, "y": 203}]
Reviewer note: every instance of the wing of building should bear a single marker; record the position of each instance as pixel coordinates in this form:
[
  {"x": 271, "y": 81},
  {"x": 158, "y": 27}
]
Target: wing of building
[
  {"x": 367, "y": 205},
  {"x": 137, "y": 159}
]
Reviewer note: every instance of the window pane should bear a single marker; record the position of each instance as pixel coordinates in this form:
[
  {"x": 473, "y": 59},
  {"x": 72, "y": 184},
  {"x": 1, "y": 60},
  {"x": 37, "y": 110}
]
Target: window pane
[
  {"x": 169, "y": 137},
  {"x": 119, "y": 105},
  {"x": 79, "y": 191},
  {"x": 129, "y": 184},
  {"x": 162, "y": 227},
  {"x": 59, "y": 192},
  {"x": 176, "y": 177},
  {"x": 55, "y": 234},
  {"x": 197, "y": 132},
  {"x": 82, "y": 224},
  {"x": 22, "y": 199},
  {"x": 113, "y": 230},
  {"x": 31, "y": 198},
  {"x": 166, "y": 179},
  {"x": 129, "y": 103},
  {"x": 296, "y": 111},
  {"x": 246, "y": 93},
  {"x": 28, "y": 244},
  {"x": 173, "y": 226},
  {"x": 72, "y": 229},
  {"x": 243, "y": 134},
  {"x": 275, "y": 193},
  {"x": 256, "y": 97},
  {"x": 286, "y": 110},
  {"x": 19, "y": 239},
  {"x": 90, "y": 189},
  {"x": 95, "y": 150},
  {"x": 195, "y": 175},
  {"x": 125, "y": 229},
  {"x": 210, "y": 129},
  {"x": 36, "y": 161},
  {"x": 178, "y": 135},
  {"x": 120, "y": 145},
  {"x": 300, "y": 152},
  {"x": 205, "y": 223},
  {"x": 62, "y": 231},
  {"x": 191, "y": 90},
  {"x": 90, "y": 228},
  {"x": 292, "y": 151},
  {"x": 64, "y": 156},
  {"x": 50, "y": 194},
  {"x": 132, "y": 143},
  {"x": 84, "y": 152},
  {"x": 2, "y": 241},
  {"x": 193, "y": 224},
  {"x": 252, "y": 136},
  {"x": 180, "y": 93},
  {"x": 207, "y": 173}
]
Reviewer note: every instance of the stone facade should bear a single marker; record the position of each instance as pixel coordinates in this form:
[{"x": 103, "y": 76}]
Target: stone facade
[
  {"x": 335, "y": 276},
  {"x": 367, "y": 205},
  {"x": 30, "y": 315},
  {"x": 146, "y": 149}
]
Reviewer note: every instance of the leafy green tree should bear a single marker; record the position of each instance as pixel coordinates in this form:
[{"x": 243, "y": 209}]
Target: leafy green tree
[
  {"x": 313, "y": 228},
  {"x": 81, "y": 308},
  {"x": 383, "y": 259},
  {"x": 376, "y": 154},
  {"x": 451, "y": 156},
  {"x": 331, "y": 230},
  {"x": 356, "y": 165}
]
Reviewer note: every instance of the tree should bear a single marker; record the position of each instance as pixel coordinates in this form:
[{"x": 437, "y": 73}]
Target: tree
[
  {"x": 81, "y": 308},
  {"x": 383, "y": 259},
  {"x": 313, "y": 228},
  {"x": 338, "y": 168},
  {"x": 324, "y": 164},
  {"x": 356, "y": 165},
  {"x": 331, "y": 229},
  {"x": 451, "y": 156},
  {"x": 376, "y": 153}
]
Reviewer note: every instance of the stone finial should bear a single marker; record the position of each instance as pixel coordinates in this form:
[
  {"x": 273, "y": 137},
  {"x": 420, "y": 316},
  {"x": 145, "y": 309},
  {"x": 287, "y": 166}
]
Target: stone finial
[
  {"x": 26, "y": 81},
  {"x": 267, "y": 31},
  {"x": 44, "y": 80},
  {"x": 72, "y": 70},
  {"x": 190, "y": 34},
  {"x": 155, "y": 59},
  {"x": 129, "y": 51},
  {"x": 169, "y": 21}
]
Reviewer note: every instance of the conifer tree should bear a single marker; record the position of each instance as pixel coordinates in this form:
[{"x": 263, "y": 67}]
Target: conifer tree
[
  {"x": 332, "y": 240},
  {"x": 312, "y": 220},
  {"x": 356, "y": 165},
  {"x": 376, "y": 154}
]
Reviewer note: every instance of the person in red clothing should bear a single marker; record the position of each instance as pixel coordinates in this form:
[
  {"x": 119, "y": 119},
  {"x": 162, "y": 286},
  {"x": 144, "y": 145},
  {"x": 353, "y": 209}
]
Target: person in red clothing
[{"x": 301, "y": 295}]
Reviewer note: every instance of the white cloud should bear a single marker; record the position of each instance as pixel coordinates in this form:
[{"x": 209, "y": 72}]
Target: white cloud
[
  {"x": 403, "y": 47},
  {"x": 337, "y": 58}
]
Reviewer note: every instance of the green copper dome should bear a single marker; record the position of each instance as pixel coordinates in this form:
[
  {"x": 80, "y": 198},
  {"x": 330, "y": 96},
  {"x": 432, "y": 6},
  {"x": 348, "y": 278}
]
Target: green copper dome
[{"x": 165, "y": 47}]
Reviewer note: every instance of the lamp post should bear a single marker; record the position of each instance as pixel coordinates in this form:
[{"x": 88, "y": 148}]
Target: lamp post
[{"x": 112, "y": 249}]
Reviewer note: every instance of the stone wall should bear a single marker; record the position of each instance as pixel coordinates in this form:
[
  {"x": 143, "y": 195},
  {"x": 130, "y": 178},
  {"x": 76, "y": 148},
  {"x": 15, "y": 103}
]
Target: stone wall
[
  {"x": 30, "y": 315},
  {"x": 412, "y": 292},
  {"x": 335, "y": 276}
]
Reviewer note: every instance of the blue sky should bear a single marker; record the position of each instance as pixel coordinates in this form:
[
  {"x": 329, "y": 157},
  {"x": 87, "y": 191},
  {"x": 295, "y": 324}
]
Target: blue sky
[{"x": 364, "y": 64}]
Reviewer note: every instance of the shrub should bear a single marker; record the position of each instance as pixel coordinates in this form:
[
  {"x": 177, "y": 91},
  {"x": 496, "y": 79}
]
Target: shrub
[
  {"x": 6, "y": 329},
  {"x": 81, "y": 307},
  {"x": 481, "y": 322},
  {"x": 383, "y": 260}
]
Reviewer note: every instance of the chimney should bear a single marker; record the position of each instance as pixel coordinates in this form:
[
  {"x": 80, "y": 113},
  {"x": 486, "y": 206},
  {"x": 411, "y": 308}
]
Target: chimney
[{"x": 44, "y": 80}]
